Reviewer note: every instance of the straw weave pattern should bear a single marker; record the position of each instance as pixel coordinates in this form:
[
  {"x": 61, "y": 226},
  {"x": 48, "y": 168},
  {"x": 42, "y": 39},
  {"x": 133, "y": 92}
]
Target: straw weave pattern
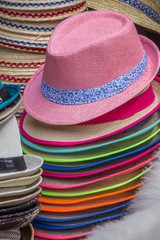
[
  {"x": 26, "y": 27},
  {"x": 12, "y": 78},
  {"x": 36, "y": 4},
  {"x": 12, "y": 234},
  {"x": 157, "y": 2},
  {"x": 143, "y": 8},
  {"x": 138, "y": 17},
  {"x": 23, "y": 47},
  {"x": 32, "y": 64},
  {"x": 42, "y": 15},
  {"x": 24, "y": 43}
]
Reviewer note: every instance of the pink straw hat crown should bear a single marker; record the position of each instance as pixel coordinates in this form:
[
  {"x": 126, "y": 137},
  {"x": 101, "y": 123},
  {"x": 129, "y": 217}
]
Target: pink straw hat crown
[
  {"x": 95, "y": 62},
  {"x": 88, "y": 55}
]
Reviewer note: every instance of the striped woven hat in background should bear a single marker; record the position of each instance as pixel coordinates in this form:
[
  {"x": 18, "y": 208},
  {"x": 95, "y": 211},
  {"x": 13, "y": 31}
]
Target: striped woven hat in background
[
  {"x": 29, "y": 25},
  {"x": 145, "y": 13},
  {"x": 25, "y": 28}
]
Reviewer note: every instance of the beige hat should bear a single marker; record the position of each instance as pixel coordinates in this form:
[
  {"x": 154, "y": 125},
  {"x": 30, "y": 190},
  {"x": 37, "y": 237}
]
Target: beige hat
[
  {"x": 17, "y": 200},
  {"x": 20, "y": 181},
  {"x": 20, "y": 190},
  {"x": 13, "y": 163}
]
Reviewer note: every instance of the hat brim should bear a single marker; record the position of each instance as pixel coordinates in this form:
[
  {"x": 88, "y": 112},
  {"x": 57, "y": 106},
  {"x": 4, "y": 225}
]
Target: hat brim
[
  {"x": 136, "y": 15},
  {"x": 20, "y": 59},
  {"x": 14, "y": 91},
  {"x": 20, "y": 207},
  {"x": 79, "y": 134},
  {"x": 33, "y": 163},
  {"x": 72, "y": 166},
  {"x": 7, "y": 113},
  {"x": 86, "y": 222},
  {"x": 72, "y": 216},
  {"x": 106, "y": 151},
  {"x": 20, "y": 190},
  {"x": 41, "y": 15},
  {"x": 62, "y": 183},
  {"x": 60, "y": 114},
  {"x": 33, "y": 130},
  {"x": 17, "y": 200},
  {"x": 102, "y": 186},
  {"x": 22, "y": 39},
  {"x": 88, "y": 205},
  {"x": 20, "y": 181},
  {"x": 38, "y": 5},
  {"x": 41, "y": 234},
  {"x": 81, "y": 199},
  {"x": 21, "y": 219}
]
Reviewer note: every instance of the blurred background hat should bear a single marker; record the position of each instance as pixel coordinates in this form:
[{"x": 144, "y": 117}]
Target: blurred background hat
[{"x": 145, "y": 13}]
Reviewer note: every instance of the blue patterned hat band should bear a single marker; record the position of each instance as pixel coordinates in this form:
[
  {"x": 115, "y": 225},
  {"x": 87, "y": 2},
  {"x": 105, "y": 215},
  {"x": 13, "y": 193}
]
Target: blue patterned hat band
[
  {"x": 73, "y": 97},
  {"x": 143, "y": 8}
]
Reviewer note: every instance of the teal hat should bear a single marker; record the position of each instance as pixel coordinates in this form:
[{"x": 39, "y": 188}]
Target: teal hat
[{"x": 8, "y": 93}]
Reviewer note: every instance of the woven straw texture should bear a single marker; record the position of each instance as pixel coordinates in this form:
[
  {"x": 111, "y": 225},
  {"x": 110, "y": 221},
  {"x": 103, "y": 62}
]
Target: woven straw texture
[
  {"x": 137, "y": 16},
  {"x": 43, "y": 15},
  {"x": 34, "y": 23},
  {"x": 38, "y": 5},
  {"x": 76, "y": 133},
  {"x": 20, "y": 59},
  {"x": 32, "y": 28},
  {"x": 17, "y": 200},
  {"x": 20, "y": 181},
  {"x": 11, "y": 144},
  {"x": 27, "y": 232},
  {"x": 20, "y": 190},
  {"x": 13, "y": 234}
]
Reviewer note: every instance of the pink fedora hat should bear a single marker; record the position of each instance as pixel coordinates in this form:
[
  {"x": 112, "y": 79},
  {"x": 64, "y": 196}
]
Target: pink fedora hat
[{"x": 95, "y": 62}]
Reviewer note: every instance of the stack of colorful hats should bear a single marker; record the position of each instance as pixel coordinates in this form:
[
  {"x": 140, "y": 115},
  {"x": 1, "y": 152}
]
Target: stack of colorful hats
[
  {"x": 92, "y": 113},
  {"x": 20, "y": 175},
  {"x": 25, "y": 28}
]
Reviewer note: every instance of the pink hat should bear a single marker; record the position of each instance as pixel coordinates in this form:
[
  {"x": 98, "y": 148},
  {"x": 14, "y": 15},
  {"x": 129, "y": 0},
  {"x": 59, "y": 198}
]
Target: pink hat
[{"x": 95, "y": 62}]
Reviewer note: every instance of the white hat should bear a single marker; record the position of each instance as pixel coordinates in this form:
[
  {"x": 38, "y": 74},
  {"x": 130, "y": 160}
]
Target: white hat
[{"x": 12, "y": 162}]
